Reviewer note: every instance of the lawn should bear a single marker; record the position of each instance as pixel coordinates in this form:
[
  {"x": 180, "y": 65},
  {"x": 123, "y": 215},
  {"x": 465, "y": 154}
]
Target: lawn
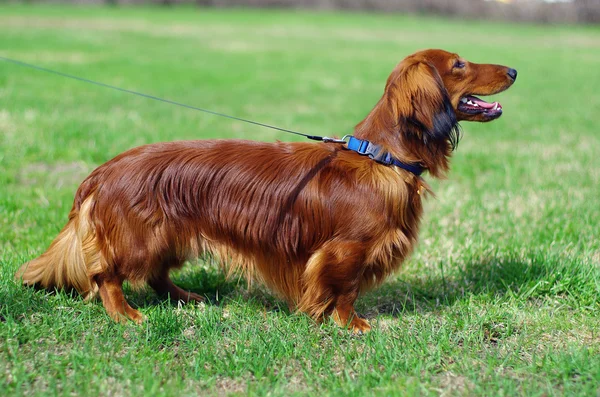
[{"x": 501, "y": 297}]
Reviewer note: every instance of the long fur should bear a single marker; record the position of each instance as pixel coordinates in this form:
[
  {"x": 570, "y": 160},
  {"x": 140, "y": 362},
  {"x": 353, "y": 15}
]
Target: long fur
[
  {"x": 71, "y": 258},
  {"x": 316, "y": 223}
]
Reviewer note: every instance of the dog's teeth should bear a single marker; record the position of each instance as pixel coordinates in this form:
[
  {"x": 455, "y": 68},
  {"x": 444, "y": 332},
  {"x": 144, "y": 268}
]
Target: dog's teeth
[
  {"x": 495, "y": 106},
  {"x": 464, "y": 100}
]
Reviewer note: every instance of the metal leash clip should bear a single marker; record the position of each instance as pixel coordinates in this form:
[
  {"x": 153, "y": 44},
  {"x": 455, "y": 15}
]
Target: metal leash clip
[{"x": 326, "y": 139}]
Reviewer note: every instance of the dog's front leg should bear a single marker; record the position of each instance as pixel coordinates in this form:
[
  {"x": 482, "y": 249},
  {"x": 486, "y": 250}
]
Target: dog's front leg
[{"x": 332, "y": 281}]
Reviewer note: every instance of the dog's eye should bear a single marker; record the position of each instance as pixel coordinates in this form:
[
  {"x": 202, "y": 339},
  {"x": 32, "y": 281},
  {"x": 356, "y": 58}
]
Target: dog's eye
[{"x": 458, "y": 64}]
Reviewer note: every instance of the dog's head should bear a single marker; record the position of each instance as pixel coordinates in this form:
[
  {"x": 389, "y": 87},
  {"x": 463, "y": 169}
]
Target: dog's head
[
  {"x": 433, "y": 90},
  {"x": 425, "y": 97},
  {"x": 462, "y": 80}
]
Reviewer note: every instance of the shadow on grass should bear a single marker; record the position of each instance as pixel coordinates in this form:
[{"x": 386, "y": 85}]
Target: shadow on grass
[
  {"x": 209, "y": 282},
  {"x": 526, "y": 277},
  {"x": 521, "y": 277}
]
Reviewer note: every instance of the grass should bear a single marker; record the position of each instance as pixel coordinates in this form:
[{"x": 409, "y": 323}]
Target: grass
[{"x": 500, "y": 298}]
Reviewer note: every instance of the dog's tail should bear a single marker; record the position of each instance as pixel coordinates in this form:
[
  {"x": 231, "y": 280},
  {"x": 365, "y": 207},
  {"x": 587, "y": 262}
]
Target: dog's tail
[{"x": 72, "y": 259}]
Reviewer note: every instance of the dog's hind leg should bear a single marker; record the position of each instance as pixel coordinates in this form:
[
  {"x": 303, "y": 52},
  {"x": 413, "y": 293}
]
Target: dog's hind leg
[
  {"x": 332, "y": 281},
  {"x": 164, "y": 286},
  {"x": 111, "y": 293}
]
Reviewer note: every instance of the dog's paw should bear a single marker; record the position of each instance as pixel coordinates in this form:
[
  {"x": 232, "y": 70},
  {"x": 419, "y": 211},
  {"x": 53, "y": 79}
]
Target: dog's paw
[
  {"x": 135, "y": 315},
  {"x": 130, "y": 314},
  {"x": 359, "y": 326},
  {"x": 356, "y": 324},
  {"x": 195, "y": 297}
]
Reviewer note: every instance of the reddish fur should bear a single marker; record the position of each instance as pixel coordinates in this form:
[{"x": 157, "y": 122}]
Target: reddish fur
[{"x": 316, "y": 223}]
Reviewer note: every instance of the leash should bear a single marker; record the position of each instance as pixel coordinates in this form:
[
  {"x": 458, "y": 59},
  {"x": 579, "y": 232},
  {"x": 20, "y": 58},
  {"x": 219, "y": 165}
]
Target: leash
[
  {"x": 70, "y": 76},
  {"x": 361, "y": 147}
]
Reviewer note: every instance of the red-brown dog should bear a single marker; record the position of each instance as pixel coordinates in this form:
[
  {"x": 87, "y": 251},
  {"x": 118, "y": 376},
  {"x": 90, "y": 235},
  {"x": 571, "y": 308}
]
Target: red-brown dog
[{"x": 317, "y": 223}]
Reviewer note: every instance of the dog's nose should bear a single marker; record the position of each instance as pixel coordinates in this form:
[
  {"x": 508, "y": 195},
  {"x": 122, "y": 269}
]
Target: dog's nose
[{"x": 512, "y": 73}]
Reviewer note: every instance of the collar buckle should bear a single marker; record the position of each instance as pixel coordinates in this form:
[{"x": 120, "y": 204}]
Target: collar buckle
[
  {"x": 376, "y": 153},
  {"x": 373, "y": 151}
]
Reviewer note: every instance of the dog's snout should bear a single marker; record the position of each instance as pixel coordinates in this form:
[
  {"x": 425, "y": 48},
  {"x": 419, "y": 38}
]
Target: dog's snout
[{"x": 512, "y": 73}]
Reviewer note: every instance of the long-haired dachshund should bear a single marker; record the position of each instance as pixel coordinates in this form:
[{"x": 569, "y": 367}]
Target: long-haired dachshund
[{"x": 318, "y": 223}]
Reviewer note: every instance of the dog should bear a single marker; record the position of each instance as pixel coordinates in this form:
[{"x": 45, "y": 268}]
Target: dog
[{"x": 317, "y": 223}]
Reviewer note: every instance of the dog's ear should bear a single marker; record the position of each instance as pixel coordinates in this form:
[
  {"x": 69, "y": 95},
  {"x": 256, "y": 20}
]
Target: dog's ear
[{"x": 420, "y": 102}]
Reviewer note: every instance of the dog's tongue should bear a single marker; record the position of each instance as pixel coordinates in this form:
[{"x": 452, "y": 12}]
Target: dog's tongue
[{"x": 482, "y": 103}]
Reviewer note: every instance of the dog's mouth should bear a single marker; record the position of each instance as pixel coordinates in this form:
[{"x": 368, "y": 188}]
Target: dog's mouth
[{"x": 470, "y": 104}]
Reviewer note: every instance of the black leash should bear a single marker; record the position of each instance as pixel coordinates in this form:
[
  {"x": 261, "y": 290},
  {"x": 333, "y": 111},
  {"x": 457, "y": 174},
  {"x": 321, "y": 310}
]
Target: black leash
[{"x": 313, "y": 137}]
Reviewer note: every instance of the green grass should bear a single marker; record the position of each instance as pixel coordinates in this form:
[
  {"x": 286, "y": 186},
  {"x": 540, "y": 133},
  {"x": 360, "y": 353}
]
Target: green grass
[{"x": 500, "y": 298}]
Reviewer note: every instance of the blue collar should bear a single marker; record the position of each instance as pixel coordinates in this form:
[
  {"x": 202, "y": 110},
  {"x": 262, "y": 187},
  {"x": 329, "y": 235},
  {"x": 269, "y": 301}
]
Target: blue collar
[{"x": 376, "y": 153}]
